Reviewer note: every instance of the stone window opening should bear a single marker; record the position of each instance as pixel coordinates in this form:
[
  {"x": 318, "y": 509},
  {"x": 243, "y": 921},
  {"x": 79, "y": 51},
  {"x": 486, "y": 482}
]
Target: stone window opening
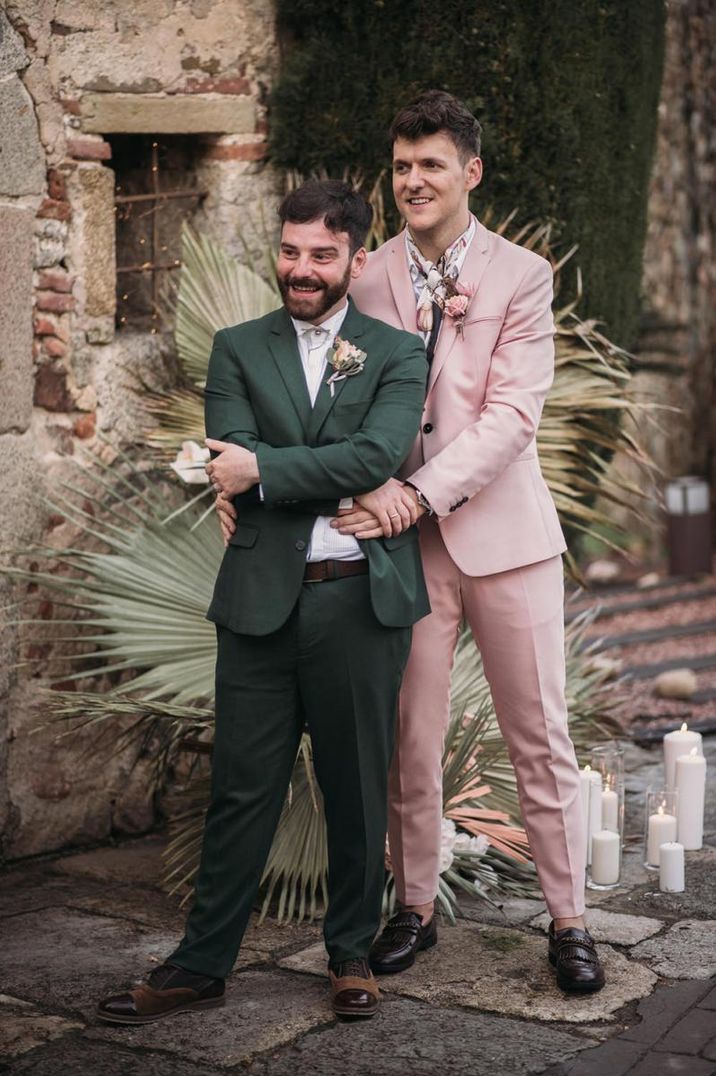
[{"x": 156, "y": 190}]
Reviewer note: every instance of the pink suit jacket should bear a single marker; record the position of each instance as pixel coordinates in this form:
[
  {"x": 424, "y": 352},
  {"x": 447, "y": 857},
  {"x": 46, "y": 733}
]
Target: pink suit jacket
[{"x": 475, "y": 458}]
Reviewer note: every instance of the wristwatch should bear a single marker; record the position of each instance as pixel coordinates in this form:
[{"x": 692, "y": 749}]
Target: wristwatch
[{"x": 422, "y": 499}]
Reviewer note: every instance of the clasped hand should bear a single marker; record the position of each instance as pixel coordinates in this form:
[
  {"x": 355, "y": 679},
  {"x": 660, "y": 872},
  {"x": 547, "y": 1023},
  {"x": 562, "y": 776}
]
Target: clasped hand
[
  {"x": 385, "y": 512},
  {"x": 234, "y": 470}
]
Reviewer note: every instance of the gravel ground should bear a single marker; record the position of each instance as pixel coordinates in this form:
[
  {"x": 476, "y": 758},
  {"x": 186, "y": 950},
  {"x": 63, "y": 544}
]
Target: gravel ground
[
  {"x": 690, "y": 646},
  {"x": 643, "y": 619},
  {"x": 587, "y": 599}
]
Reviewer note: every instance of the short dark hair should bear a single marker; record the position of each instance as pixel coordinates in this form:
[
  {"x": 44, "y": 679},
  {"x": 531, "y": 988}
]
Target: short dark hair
[
  {"x": 340, "y": 206},
  {"x": 433, "y": 111}
]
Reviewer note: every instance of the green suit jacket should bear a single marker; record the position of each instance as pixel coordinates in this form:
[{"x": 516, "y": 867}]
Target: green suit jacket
[{"x": 348, "y": 443}]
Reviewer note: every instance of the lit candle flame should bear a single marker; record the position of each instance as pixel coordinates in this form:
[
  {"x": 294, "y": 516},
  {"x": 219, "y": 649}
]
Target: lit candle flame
[
  {"x": 661, "y": 808},
  {"x": 587, "y": 768},
  {"x": 684, "y": 727}
]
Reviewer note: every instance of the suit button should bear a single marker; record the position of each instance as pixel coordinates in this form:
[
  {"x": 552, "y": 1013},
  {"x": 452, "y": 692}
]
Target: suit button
[
  {"x": 300, "y": 546},
  {"x": 428, "y": 427}
]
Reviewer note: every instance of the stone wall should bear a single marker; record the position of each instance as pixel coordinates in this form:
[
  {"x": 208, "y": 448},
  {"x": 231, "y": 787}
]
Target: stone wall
[{"x": 73, "y": 73}]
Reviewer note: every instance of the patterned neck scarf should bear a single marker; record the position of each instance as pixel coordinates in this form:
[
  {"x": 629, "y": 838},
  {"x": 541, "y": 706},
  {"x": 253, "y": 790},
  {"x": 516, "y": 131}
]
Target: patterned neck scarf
[{"x": 435, "y": 282}]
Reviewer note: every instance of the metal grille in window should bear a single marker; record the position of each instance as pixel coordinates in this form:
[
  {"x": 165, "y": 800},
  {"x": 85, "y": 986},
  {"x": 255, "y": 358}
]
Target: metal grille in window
[{"x": 156, "y": 190}]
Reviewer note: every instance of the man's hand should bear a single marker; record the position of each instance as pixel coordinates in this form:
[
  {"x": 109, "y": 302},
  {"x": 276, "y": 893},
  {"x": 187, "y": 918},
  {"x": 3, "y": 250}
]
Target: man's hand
[
  {"x": 391, "y": 508},
  {"x": 234, "y": 471},
  {"x": 227, "y": 516}
]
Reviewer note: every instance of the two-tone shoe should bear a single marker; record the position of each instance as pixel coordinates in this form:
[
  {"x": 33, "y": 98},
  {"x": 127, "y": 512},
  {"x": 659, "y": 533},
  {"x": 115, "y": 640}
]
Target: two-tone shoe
[
  {"x": 168, "y": 990},
  {"x": 574, "y": 956},
  {"x": 354, "y": 991},
  {"x": 402, "y": 937}
]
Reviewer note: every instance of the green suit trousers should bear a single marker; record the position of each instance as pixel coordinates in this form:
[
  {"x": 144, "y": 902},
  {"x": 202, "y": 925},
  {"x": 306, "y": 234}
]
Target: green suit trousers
[{"x": 334, "y": 666}]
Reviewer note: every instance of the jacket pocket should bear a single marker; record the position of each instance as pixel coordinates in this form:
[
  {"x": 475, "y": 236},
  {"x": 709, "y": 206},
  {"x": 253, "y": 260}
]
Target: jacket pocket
[{"x": 244, "y": 536}]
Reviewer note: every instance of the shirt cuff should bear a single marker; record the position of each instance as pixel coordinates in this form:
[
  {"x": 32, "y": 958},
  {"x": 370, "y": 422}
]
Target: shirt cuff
[
  {"x": 261, "y": 492},
  {"x": 345, "y": 502}
]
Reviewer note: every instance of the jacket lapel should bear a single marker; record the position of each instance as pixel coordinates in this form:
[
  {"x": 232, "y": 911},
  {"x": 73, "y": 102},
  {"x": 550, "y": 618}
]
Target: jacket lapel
[
  {"x": 284, "y": 351},
  {"x": 351, "y": 330},
  {"x": 400, "y": 283},
  {"x": 476, "y": 261}
]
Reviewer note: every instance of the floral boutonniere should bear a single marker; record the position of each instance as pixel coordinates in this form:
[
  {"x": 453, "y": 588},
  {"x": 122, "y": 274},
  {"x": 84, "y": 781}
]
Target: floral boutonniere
[
  {"x": 456, "y": 304},
  {"x": 346, "y": 359}
]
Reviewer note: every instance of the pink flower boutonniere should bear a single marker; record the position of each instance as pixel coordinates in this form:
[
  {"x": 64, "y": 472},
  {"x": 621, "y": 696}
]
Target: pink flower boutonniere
[
  {"x": 456, "y": 304},
  {"x": 346, "y": 359}
]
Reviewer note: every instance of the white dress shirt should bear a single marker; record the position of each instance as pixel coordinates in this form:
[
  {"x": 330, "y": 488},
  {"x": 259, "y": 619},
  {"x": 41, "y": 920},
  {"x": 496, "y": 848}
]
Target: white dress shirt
[{"x": 313, "y": 344}]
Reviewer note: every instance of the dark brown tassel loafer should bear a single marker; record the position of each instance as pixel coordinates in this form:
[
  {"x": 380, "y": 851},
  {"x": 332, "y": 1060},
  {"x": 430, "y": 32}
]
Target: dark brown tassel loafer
[
  {"x": 354, "y": 991},
  {"x": 403, "y": 936},
  {"x": 168, "y": 990},
  {"x": 573, "y": 954}
]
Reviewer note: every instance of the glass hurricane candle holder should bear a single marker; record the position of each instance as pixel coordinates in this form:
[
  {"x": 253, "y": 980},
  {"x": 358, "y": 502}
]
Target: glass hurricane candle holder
[
  {"x": 604, "y": 870},
  {"x": 660, "y": 823},
  {"x": 608, "y": 760}
]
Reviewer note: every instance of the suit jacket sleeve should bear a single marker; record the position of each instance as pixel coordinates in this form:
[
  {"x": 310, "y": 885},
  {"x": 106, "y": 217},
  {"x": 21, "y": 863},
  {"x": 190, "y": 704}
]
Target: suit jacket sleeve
[
  {"x": 520, "y": 376},
  {"x": 362, "y": 460}
]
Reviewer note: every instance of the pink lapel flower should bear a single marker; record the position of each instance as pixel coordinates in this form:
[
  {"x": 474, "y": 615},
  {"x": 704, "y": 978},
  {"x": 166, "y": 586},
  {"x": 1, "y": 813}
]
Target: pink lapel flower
[{"x": 456, "y": 305}]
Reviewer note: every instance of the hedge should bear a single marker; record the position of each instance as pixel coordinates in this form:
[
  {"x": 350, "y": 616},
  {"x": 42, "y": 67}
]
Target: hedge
[{"x": 566, "y": 91}]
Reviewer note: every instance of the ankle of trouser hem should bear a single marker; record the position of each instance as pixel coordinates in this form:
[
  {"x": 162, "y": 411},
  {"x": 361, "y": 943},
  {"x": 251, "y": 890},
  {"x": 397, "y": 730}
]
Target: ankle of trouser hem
[
  {"x": 561, "y": 914},
  {"x": 178, "y": 961}
]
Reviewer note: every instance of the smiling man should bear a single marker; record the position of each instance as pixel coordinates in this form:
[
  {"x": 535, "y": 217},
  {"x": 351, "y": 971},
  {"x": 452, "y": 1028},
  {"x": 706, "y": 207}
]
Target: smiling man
[
  {"x": 303, "y": 407},
  {"x": 489, "y": 534}
]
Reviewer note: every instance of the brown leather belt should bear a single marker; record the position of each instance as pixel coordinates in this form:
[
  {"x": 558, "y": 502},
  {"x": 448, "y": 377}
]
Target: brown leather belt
[{"x": 319, "y": 571}]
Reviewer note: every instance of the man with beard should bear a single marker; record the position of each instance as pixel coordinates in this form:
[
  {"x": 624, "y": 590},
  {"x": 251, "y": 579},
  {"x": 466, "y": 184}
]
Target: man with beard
[{"x": 304, "y": 406}]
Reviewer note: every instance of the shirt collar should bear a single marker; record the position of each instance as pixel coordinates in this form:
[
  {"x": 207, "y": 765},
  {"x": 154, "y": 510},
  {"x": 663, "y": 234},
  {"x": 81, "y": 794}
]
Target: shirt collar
[{"x": 332, "y": 325}]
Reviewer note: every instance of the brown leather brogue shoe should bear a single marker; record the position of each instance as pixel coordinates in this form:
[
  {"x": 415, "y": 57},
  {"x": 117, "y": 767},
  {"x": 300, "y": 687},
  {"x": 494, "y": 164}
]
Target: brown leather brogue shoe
[
  {"x": 354, "y": 991},
  {"x": 403, "y": 936},
  {"x": 168, "y": 990},
  {"x": 573, "y": 954}
]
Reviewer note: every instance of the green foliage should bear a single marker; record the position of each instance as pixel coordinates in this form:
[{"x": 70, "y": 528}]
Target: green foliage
[{"x": 566, "y": 91}]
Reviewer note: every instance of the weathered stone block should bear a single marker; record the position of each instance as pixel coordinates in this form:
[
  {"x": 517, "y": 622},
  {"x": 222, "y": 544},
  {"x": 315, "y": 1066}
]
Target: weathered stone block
[
  {"x": 688, "y": 951},
  {"x": 16, "y": 228},
  {"x": 502, "y": 970},
  {"x": 107, "y": 113},
  {"x": 91, "y": 193},
  {"x": 12, "y": 53},
  {"x": 22, "y": 161}
]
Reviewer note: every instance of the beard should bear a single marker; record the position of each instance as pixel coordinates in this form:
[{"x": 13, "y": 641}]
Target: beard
[{"x": 316, "y": 303}]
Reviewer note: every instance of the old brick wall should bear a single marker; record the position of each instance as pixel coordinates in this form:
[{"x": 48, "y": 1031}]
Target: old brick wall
[{"x": 73, "y": 73}]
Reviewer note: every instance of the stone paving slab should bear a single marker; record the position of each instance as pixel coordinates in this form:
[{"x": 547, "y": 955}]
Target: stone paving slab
[
  {"x": 667, "y": 1005},
  {"x": 139, "y": 862},
  {"x": 264, "y": 1010},
  {"x": 409, "y": 1037},
  {"x": 24, "y": 1028},
  {"x": 505, "y": 971},
  {"x": 686, "y": 951},
  {"x": 66, "y": 960},
  {"x": 80, "y": 1056},
  {"x": 511, "y": 912},
  {"x": 698, "y": 899},
  {"x": 611, "y": 926}
]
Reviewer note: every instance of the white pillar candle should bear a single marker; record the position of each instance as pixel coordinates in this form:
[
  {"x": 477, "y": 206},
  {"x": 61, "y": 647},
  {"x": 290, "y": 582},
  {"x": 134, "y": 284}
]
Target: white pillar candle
[
  {"x": 691, "y": 786},
  {"x": 610, "y": 810},
  {"x": 662, "y": 828},
  {"x": 605, "y": 857},
  {"x": 678, "y": 742},
  {"x": 595, "y": 809},
  {"x": 671, "y": 867}
]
